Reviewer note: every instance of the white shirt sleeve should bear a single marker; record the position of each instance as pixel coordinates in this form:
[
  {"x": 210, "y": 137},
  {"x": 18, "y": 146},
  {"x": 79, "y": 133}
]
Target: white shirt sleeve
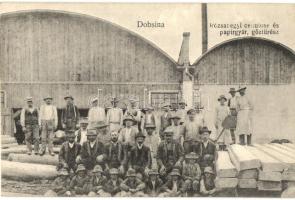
[{"x": 22, "y": 117}]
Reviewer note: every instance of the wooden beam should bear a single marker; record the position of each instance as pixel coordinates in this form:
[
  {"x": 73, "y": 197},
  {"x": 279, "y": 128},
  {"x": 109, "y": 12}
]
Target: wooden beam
[
  {"x": 269, "y": 176},
  {"x": 281, "y": 150},
  {"x": 291, "y": 145},
  {"x": 6, "y": 146},
  {"x": 222, "y": 183},
  {"x": 242, "y": 158},
  {"x": 224, "y": 166},
  {"x": 268, "y": 163},
  {"x": 37, "y": 159},
  {"x": 269, "y": 186},
  {"x": 247, "y": 183},
  {"x": 248, "y": 174},
  {"x": 20, "y": 149},
  {"x": 7, "y": 140},
  {"x": 285, "y": 147},
  {"x": 288, "y": 175}
]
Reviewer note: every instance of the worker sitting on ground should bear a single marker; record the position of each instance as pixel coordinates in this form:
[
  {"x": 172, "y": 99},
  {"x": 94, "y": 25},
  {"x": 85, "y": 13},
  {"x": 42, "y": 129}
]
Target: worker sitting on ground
[
  {"x": 60, "y": 186},
  {"x": 97, "y": 181},
  {"x": 112, "y": 186},
  {"x": 80, "y": 181},
  {"x": 154, "y": 185},
  {"x": 174, "y": 186},
  {"x": 191, "y": 173},
  {"x": 207, "y": 186},
  {"x": 132, "y": 186}
]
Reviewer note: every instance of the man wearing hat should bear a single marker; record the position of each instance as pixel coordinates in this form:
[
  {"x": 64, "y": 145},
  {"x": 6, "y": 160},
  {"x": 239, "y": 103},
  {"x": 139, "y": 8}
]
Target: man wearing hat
[
  {"x": 29, "y": 120},
  {"x": 115, "y": 155},
  {"x": 70, "y": 114},
  {"x": 103, "y": 134},
  {"x": 48, "y": 122},
  {"x": 128, "y": 133},
  {"x": 92, "y": 151},
  {"x": 232, "y": 104},
  {"x": 178, "y": 130},
  {"x": 112, "y": 186},
  {"x": 80, "y": 182},
  {"x": 134, "y": 112},
  {"x": 96, "y": 113},
  {"x": 207, "y": 185},
  {"x": 82, "y": 132},
  {"x": 148, "y": 118},
  {"x": 174, "y": 186},
  {"x": 60, "y": 185},
  {"x": 221, "y": 112},
  {"x": 154, "y": 185},
  {"x": 181, "y": 112},
  {"x": 244, "y": 119},
  {"x": 165, "y": 122},
  {"x": 115, "y": 116},
  {"x": 169, "y": 155},
  {"x": 97, "y": 182},
  {"x": 140, "y": 155},
  {"x": 69, "y": 152},
  {"x": 207, "y": 149},
  {"x": 191, "y": 173},
  {"x": 132, "y": 186}
]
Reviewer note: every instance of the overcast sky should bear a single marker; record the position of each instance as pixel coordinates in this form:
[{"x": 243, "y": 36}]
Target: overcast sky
[{"x": 179, "y": 18}]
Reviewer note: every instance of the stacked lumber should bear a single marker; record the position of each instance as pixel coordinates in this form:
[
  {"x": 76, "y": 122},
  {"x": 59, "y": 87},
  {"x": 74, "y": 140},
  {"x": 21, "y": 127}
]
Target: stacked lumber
[
  {"x": 24, "y": 158},
  {"x": 247, "y": 165},
  {"x": 21, "y": 149},
  {"x": 226, "y": 172},
  {"x": 27, "y": 171},
  {"x": 7, "y": 139}
]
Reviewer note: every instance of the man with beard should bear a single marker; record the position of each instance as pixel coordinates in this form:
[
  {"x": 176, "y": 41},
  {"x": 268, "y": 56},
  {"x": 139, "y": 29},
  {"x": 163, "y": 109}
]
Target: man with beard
[
  {"x": 132, "y": 186},
  {"x": 154, "y": 185},
  {"x": 169, "y": 155},
  {"x": 29, "y": 120},
  {"x": 115, "y": 155},
  {"x": 70, "y": 114},
  {"x": 140, "y": 156},
  {"x": 69, "y": 152},
  {"x": 207, "y": 185},
  {"x": 92, "y": 151},
  {"x": 134, "y": 112},
  {"x": 97, "y": 181},
  {"x": 115, "y": 116},
  {"x": 112, "y": 186},
  {"x": 80, "y": 181}
]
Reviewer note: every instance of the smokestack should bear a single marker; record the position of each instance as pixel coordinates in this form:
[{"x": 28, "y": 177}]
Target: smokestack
[
  {"x": 204, "y": 28},
  {"x": 184, "y": 50}
]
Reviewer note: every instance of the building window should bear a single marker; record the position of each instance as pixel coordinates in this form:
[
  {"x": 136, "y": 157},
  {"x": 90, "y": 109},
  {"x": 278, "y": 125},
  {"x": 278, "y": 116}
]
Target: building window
[{"x": 158, "y": 98}]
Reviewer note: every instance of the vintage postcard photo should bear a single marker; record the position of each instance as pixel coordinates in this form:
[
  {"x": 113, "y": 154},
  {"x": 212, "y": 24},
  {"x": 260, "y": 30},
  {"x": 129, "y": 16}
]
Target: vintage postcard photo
[{"x": 147, "y": 100}]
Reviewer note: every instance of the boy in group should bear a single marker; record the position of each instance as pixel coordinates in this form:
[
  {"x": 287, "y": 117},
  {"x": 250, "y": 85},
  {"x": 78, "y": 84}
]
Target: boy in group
[
  {"x": 112, "y": 186},
  {"x": 132, "y": 186},
  {"x": 174, "y": 186},
  {"x": 207, "y": 185},
  {"x": 97, "y": 182},
  {"x": 80, "y": 181},
  {"x": 154, "y": 184}
]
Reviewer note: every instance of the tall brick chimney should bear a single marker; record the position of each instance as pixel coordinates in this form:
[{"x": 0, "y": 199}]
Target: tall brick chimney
[
  {"x": 183, "y": 58},
  {"x": 204, "y": 28}
]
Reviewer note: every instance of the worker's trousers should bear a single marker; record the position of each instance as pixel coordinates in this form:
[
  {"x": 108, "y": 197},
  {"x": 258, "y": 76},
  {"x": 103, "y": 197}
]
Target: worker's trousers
[
  {"x": 32, "y": 135},
  {"x": 47, "y": 135}
]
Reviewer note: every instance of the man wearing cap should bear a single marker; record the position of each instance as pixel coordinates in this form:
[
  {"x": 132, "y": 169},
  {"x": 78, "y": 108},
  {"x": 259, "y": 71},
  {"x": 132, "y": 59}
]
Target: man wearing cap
[
  {"x": 134, "y": 112},
  {"x": 128, "y": 133},
  {"x": 70, "y": 114},
  {"x": 152, "y": 140},
  {"x": 165, "y": 122},
  {"x": 92, "y": 150},
  {"x": 80, "y": 181},
  {"x": 174, "y": 186},
  {"x": 112, "y": 186},
  {"x": 60, "y": 185},
  {"x": 191, "y": 173},
  {"x": 97, "y": 182},
  {"x": 96, "y": 113},
  {"x": 207, "y": 185},
  {"x": 154, "y": 185},
  {"x": 115, "y": 116},
  {"x": 140, "y": 155},
  {"x": 178, "y": 130},
  {"x": 48, "y": 122},
  {"x": 221, "y": 112},
  {"x": 148, "y": 118},
  {"x": 207, "y": 149},
  {"x": 69, "y": 152},
  {"x": 29, "y": 120},
  {"x": 169, "y": 155},
  {"x": 132, "y": 186},
  {"x": 115, "y": 155},
  {"x": 103, "y": 134},
  {"x": 181, "y": 112},
  {"x": 244, "y": 118},
  {"x": 81, "y": 134}
]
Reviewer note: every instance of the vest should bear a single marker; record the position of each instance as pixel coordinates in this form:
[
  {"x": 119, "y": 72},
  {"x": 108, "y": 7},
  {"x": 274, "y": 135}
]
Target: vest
[{"x": 31, "y": 118}]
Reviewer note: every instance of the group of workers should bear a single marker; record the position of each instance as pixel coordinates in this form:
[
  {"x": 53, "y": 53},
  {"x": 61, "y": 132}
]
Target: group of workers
[{"x": 118, "y": 153}]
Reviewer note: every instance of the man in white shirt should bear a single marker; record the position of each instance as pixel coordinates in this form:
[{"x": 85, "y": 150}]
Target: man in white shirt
[
  {"x": 48, "y": 121},
  {"x": 135, "y": 112},
  {"x": 127, "y": 134},
  {"x": 30, "y": 124},
  {"x": 96, "y": 113},
  {"x": 81, "y": 134},
  {"x": 115, "y": 116},
  {"x": 181, "y": 112}
]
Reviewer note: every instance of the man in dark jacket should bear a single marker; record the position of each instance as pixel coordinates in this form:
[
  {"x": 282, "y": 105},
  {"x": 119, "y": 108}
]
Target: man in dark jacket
[
  {"x": 208, "y": 149},
  {"x": 154, "y": 185},
  {"x": 140, "y": 156},
  {"x": 70, "y": 114},
  {"x": 112, "y": 186},
  {"x": 165, "y": 118},
  {"x": 61, "y": 185},
  {"x": 80, "y": 182},
  {"x": 92, "y": 150},
  {"x": 132, "y": 186},
  {"x": 174, "y": 186},
  {"x": 68, "y": 153},
  {"x": 97, "y": 182}
]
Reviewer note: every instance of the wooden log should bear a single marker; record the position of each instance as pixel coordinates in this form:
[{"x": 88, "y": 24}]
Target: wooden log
[
  {"x": 27, "y": 171},
  {"x": 281, "y": 150},
  {"x": 248, "y": 174},
  {"x": 20, "y": 149},
  {"x": 288, "y": 175},
  {"x": 247, "y": 183},
  {"x": 242, "y": 158},
  {"x": 269, "y": 186},
  {"x": 269, "y": 176},
  {"x": 268, "y": 163},
  {"x": 289, "y": 162},
  {"x": 224, "y": 166},
  {"x": 291, "y": 145},
  {"x": 285, "y": 147},
  {"x": 222, "y": 183},
  {"x": 7, "y": 140},
  {"x": 24, "y": 158},
  {"x": 17, "y": 194},
  {"x": 6, "y": 146}
]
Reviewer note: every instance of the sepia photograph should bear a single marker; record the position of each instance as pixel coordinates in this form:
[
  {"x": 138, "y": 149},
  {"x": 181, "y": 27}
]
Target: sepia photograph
[{"x": 147, "y": 99}]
